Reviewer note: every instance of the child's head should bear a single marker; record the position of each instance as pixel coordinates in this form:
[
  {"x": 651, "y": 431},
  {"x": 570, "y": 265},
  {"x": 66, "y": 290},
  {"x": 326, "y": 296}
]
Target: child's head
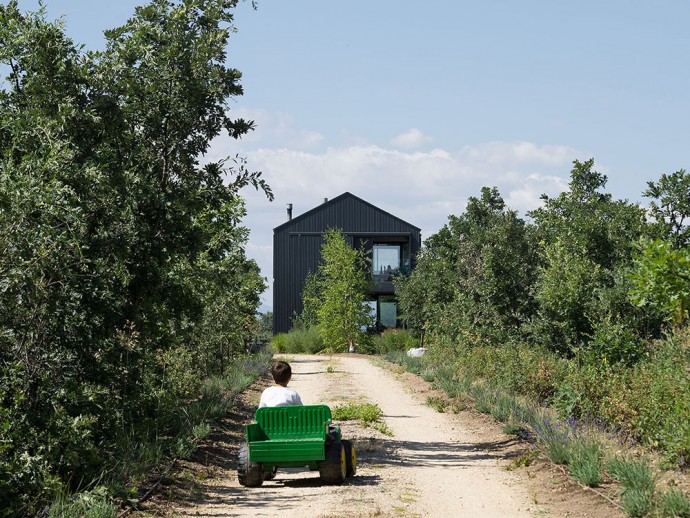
[{"x": 281, "y": 372}]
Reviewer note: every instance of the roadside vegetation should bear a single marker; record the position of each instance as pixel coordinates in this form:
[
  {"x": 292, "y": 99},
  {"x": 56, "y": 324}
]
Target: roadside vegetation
[
  {"x": 571, "y": 327},
  {"x": 127, "y": 302}
]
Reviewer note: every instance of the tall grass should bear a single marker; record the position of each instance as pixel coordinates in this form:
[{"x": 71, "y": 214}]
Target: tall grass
[
  {"x": 298, "y": 340},
  {"x": 175, "y": 434},
  {"x": 637, "y": 484},
  {"x": 368, "y": 414}
]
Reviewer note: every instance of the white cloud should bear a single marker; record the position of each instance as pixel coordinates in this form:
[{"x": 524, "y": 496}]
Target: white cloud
[
  {"x": 410, "y": 139},
  {"x": 423, "y": 188},
  {"x": 272, "y": 129}
]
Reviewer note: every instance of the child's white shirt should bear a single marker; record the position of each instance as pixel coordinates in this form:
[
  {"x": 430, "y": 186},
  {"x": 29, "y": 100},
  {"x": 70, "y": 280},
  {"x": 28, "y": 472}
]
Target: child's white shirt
[{"x": 279, "y": 396}]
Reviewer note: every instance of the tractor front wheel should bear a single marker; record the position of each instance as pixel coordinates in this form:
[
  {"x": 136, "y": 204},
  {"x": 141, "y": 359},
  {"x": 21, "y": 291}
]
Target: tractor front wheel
[{"x": 350, "y": 459}]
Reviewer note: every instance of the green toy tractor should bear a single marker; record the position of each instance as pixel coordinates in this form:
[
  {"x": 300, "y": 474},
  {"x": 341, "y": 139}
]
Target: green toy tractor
[{"x": 294, "y": 436}]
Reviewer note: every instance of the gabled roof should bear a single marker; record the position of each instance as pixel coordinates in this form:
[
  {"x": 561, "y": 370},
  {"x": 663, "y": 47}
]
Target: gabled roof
[{"x": 339, "y": 199}]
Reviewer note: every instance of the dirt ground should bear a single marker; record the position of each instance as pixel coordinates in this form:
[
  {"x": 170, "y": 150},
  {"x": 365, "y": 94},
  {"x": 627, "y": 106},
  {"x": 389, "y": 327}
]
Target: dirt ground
[{"x": 435, "y": 464}]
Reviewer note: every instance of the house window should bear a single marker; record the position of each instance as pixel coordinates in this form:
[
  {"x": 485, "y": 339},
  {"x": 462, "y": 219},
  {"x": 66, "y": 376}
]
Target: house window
[
  {"x": 388, "y": 313},
  {"x": 386, "y": 259}
]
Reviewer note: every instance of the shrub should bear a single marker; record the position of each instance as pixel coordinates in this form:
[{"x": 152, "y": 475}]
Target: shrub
[
  {"x": 585, "y": 461},
  {"x": 298, "y": 340},
  {"x": 278, "y": 343},
  {"x": 394, "y": 340},
  {"x": 555, "y": 439},
  {"x": 674, "y": 503},
  {"x": 637, "y": 484}
]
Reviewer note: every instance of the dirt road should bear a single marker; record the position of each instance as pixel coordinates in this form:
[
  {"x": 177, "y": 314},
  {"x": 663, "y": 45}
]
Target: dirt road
[{"x": 434, "y": 464}]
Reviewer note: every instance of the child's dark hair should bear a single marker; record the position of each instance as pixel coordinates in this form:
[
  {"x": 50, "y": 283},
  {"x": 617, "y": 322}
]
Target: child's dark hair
[{"x": 281, "y": 372}]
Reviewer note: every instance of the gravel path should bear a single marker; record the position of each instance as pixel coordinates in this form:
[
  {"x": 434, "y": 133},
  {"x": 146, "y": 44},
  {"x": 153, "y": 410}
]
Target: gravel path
[{"x": 430, "y": 466}]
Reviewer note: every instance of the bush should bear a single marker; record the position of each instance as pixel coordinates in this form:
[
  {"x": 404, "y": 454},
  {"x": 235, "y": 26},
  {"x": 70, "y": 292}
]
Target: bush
[
  {"x": 637, "y": 484},
  {"x": 298, "y": 340},
  {"x": 304, "y": 341},
  {"x": 674, "y": 503},
  {"x": 393, "y": 340},
  {"x": 278, "y": 343},
  {"x": 585, "y": 461}
]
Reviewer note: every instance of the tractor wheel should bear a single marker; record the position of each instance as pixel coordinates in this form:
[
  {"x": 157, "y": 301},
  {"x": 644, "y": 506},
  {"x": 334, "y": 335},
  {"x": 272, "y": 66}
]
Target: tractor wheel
[
  {"x": 332, "y": 470},
  {"x": 249, "y": 474},
  {"x": 350, "y": 459}
]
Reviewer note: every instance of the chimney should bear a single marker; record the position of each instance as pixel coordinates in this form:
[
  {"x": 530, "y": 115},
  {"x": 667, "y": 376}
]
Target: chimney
[
  {"x": 289, "y": 211},
  {"x": 325, "y": 200}
]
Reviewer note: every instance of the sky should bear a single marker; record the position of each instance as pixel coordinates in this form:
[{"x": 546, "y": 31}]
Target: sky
[{"x": 414, "y": 106}]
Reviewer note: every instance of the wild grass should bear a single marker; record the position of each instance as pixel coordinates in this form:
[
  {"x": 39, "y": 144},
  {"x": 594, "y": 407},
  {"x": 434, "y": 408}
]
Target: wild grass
[
  {"x": 368, "y": 414},
  {"x": 673, "y": 502},
  {"x": 437, "y": 403},
  {"x": 585, "y": 461},
  {"x": 175, "y": 434},
  {"x": 637, "y": 484},
  {"x": 89, "y": 504},
  {"x": 299, "y": 340}
]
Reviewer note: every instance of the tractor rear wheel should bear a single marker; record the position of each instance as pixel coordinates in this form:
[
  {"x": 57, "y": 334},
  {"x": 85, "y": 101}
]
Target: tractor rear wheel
[
  {"x": 249, "y": 474},
  {"x": 333, "y": 468}
]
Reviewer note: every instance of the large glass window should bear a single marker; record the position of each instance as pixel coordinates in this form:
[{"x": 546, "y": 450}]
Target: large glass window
[
  {"x": 386, "y": 259},
  {"x": 388, "y": 313}
]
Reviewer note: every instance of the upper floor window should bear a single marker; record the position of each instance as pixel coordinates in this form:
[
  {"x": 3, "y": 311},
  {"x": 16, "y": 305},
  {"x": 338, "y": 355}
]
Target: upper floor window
[{"x": 386, "y": 259}]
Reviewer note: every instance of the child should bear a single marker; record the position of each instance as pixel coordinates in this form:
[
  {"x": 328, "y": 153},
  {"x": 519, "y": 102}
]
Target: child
[{"x": 280, "y": 394}]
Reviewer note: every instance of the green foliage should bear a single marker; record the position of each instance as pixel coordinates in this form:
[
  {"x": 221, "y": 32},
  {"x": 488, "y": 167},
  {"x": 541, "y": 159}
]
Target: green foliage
[
  {"x": 637, "y": 484},
  {"x": 670, "y": 206},
  {"x": 473, "y": 276},
  {"x": 584, "y": 238},
  {"x": 584, "y": 461},
  {"x": 563, "y": 292},
  {"x": 278, "y": 342},
  {"x": 414, "y": 365},
  {"x": 393, "y": 340},
  {"x": 123, "y": 277},
  {"x": 368, "y": 414},
  {"x": 311, "y": 300},
  {"x": 92, "y": 504},
  {"x": 674, "y": 503},
  {"x": 364, "y": 412},
  {"x": 303, "y": 341},
  {"x": 661, "y": 279},
  {"x": 335, "y": 296}
]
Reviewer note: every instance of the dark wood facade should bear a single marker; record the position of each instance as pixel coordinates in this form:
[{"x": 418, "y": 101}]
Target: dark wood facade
[{"x": 297, "y": 251}]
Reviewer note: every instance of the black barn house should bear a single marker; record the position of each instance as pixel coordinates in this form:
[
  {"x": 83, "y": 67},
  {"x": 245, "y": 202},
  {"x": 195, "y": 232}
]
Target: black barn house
[{"x": 390, "y": 242}]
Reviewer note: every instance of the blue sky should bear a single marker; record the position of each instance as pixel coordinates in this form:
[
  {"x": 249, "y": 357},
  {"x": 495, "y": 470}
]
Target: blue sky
[{"x": 414, "y": 106}]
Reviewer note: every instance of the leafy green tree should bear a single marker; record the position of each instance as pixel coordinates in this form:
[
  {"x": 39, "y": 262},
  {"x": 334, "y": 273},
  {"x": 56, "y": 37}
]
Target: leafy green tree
[
  {"x": 343, "y": 284},
  {"x": 473, "y": 277},
  {"x": 122, "y": 255},
  {"x": 661, "y": 279},
  {"x": 589, "y": 221},
  {"x": 311, "y": 300},
  {"x": 586, "y": 240},
  {"x": 670, "y": 206}
]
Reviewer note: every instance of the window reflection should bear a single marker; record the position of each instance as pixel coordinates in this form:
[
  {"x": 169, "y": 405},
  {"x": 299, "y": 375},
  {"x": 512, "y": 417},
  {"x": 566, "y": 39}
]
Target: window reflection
[{"x": 385, "y": 261}]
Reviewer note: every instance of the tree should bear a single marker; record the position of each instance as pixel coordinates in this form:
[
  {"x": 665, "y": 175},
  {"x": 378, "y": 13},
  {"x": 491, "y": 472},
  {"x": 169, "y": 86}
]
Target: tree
[
  {"x": 589, "y": 221},
  {"x": 342, "y": 283},
  {"x": 670, "y": 206},
  {"x": 586, "y": 240},
  {"x": 121, "y": 252},
  {"x": 661, "y": 279},
  {"x": 473, "y": 277}
]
